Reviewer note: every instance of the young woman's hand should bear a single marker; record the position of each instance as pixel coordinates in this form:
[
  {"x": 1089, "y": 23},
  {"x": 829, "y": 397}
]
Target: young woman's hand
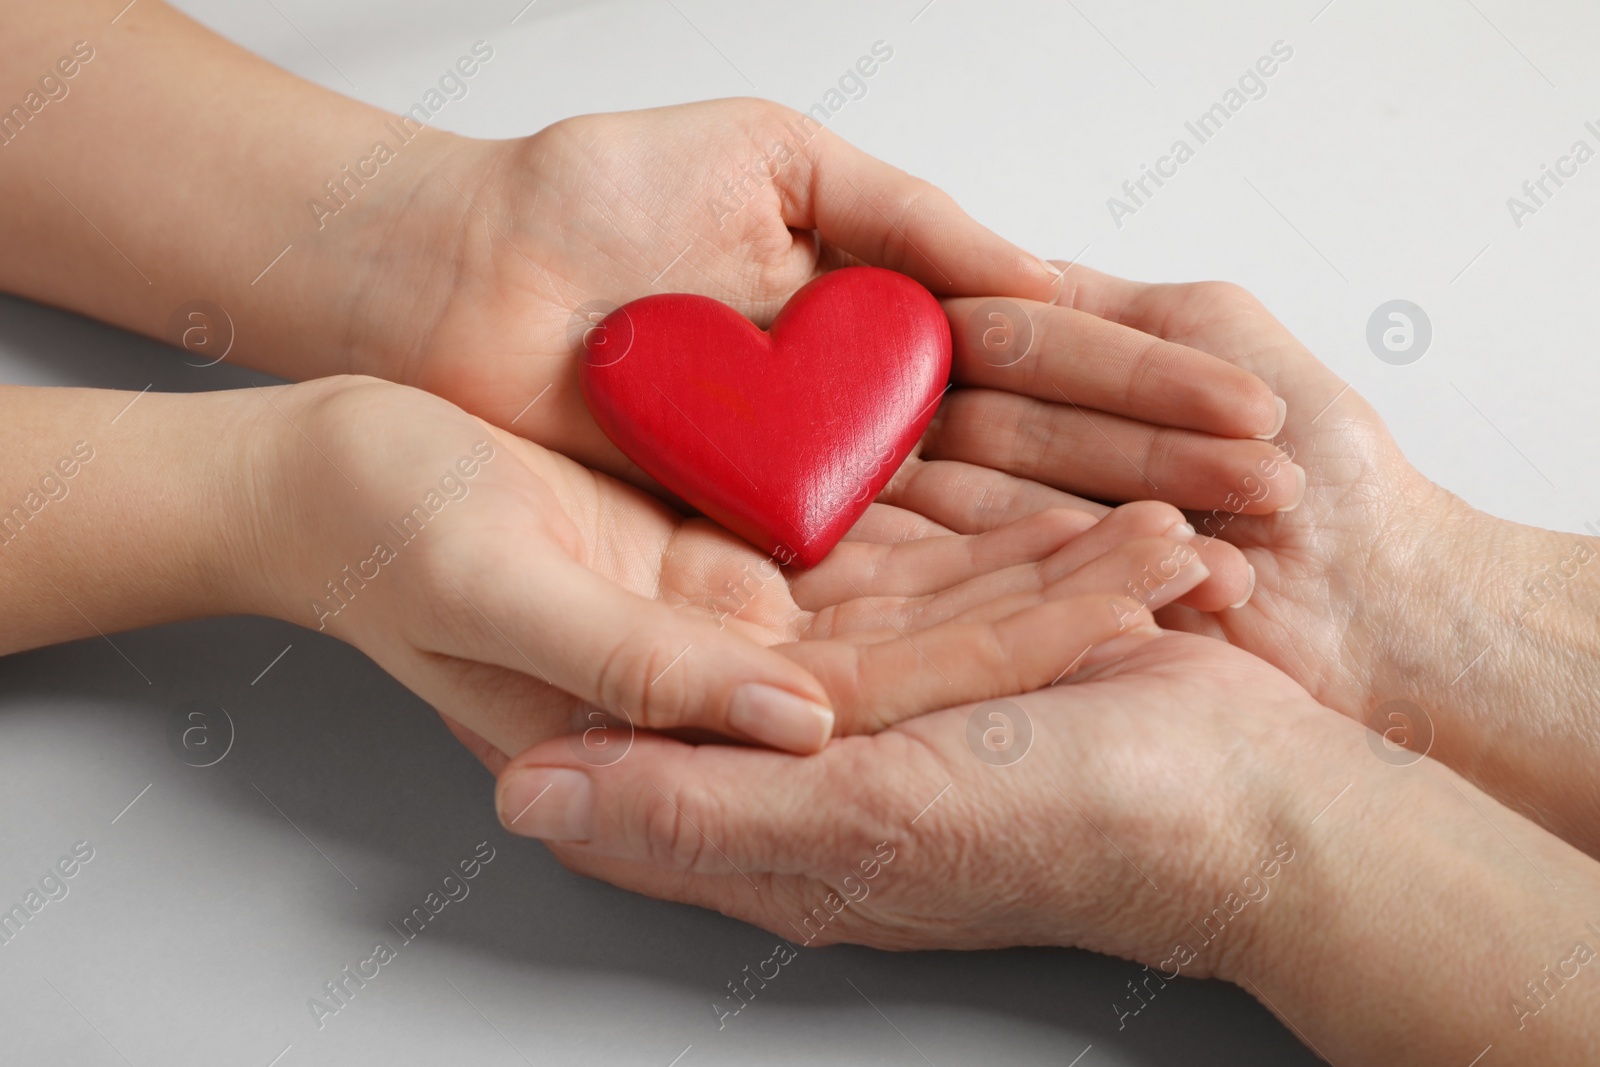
[
  {"x": 746, "y": 201},
  {"x": 472, "y": 268},
  {"x": 520, "y": 592},
  {"x": 526, "y": 596}
]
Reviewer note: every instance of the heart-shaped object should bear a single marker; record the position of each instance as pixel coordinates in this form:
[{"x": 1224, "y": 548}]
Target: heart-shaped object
[{"x": 783, "y": 436}]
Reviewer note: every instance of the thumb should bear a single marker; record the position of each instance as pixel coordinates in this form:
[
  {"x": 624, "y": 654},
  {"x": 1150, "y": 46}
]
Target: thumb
[
  {"x": 637, "y": 658},
  {"x": 887, "y": 218}
]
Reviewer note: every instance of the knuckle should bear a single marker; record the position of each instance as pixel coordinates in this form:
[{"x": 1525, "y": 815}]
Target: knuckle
[
  {"x": 1160, "y": 452},
  {"x": 1148, "y": 370},
  {"x": 673, "y": 836},
  {"x": 627, "y": 677},
  {"x": 916, "y": 199},
  {"x": 922, "y": 195},
  {"x": 1219, "y": 292},
  {"x": 1030, "y": 440},
  {"x": 990, "y": 649},
  {"x": 1158, "y": 555}
]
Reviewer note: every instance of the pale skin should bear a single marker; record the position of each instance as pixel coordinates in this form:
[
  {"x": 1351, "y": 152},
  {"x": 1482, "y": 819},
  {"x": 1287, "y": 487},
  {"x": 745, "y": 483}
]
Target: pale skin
[
  {"x": 458, "y": 270},
  {"x": 532, "y": 589}
]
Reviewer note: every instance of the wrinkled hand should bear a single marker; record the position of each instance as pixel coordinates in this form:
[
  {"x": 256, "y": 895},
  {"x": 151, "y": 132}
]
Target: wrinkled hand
[
  {"x": 1329, "y": 571},
  {"x": 1379, "y": 585},
  {"x": 1189, "y": 807},
  {"x": 1144, "y": 775}
]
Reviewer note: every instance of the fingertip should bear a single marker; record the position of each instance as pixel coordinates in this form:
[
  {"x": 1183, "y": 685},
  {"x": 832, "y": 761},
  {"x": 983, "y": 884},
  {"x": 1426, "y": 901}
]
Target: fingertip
[
  {"x": 1249, "y": 592},
  {"x": 1145, "y": 518},
  {"x": 1282, "y": 416},
  {"x": 1268, "y": 482},
  {"x": 779, "y": 718},
  {"x": 1231, "y": 583},
  {"x": 550, "y": 803},
  {"x": 1299, "y": 473}
]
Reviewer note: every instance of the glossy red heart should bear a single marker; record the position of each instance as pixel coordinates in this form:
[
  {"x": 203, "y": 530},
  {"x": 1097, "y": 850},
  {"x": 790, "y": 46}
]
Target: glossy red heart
[{"x": 783, "y": 436}]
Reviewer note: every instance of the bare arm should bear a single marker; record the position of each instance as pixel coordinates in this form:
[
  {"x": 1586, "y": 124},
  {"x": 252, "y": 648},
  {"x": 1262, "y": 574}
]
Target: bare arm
[{"x": 165, "y": 165}]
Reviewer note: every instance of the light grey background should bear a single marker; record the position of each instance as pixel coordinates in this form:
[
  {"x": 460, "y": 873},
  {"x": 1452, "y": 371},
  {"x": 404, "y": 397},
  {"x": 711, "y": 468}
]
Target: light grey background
[{"x": 1376, "y": 167}]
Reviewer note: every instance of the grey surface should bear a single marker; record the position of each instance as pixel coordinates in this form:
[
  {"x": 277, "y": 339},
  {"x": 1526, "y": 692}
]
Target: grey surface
[{"x": 1376, "y": 168}]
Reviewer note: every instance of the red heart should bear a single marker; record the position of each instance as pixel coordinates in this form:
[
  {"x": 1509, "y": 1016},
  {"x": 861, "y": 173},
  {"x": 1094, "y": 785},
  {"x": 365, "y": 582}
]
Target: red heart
[{"x": 783, "y": 436}]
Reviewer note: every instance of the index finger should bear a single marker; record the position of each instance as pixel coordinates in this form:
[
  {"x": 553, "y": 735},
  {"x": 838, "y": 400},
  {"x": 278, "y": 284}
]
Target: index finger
[{"x": 1068, "y": 356}]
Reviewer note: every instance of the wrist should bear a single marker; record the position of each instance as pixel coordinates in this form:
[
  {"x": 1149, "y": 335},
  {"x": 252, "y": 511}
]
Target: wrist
[
  {"x": 1495, "y": 641},
  {"x": 124, "y": 510},
  {"x": 298, "y": 492},
  {"x": 405, "y": 259},
  {"x": 1415, "y": 912}
]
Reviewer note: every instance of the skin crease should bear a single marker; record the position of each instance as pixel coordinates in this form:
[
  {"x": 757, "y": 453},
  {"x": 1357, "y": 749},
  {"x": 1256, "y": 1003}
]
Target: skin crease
[
  {"x": 1149, "y": 794},
  {"x": 601, "y": 204},
  {"x": 425, "y": 277},
  {"x": 528, "y": 590},
  {"x": 461, "y": 268},
  {"x": 1381, "y": 585},
  {"x": 459, "y": 271}
]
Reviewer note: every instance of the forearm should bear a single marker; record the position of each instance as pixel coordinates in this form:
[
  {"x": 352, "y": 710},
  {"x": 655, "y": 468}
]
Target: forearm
[
  {"x": 173, "y": 166},
  {"x": 1500, "y": 646},
  {"x": 120, "y": 510},
  {"x": 1414, "y": 918}
]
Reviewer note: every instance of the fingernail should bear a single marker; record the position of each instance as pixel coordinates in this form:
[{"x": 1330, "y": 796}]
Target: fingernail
[
  {"x": 1249, "y": 592},
  {"x": 550, "y": 803},
  {"x": 1300, "y": 488},
  {"x": 1181, "y": 532},
  {"x": 1283, "y": 415},
  {"x": 778, "y": 718}
]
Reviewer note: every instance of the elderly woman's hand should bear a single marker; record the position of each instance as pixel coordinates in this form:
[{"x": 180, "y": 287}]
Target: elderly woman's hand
[
  {"x": 1189, "y": 807},
  {"x": 1386, "y": 596}
]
